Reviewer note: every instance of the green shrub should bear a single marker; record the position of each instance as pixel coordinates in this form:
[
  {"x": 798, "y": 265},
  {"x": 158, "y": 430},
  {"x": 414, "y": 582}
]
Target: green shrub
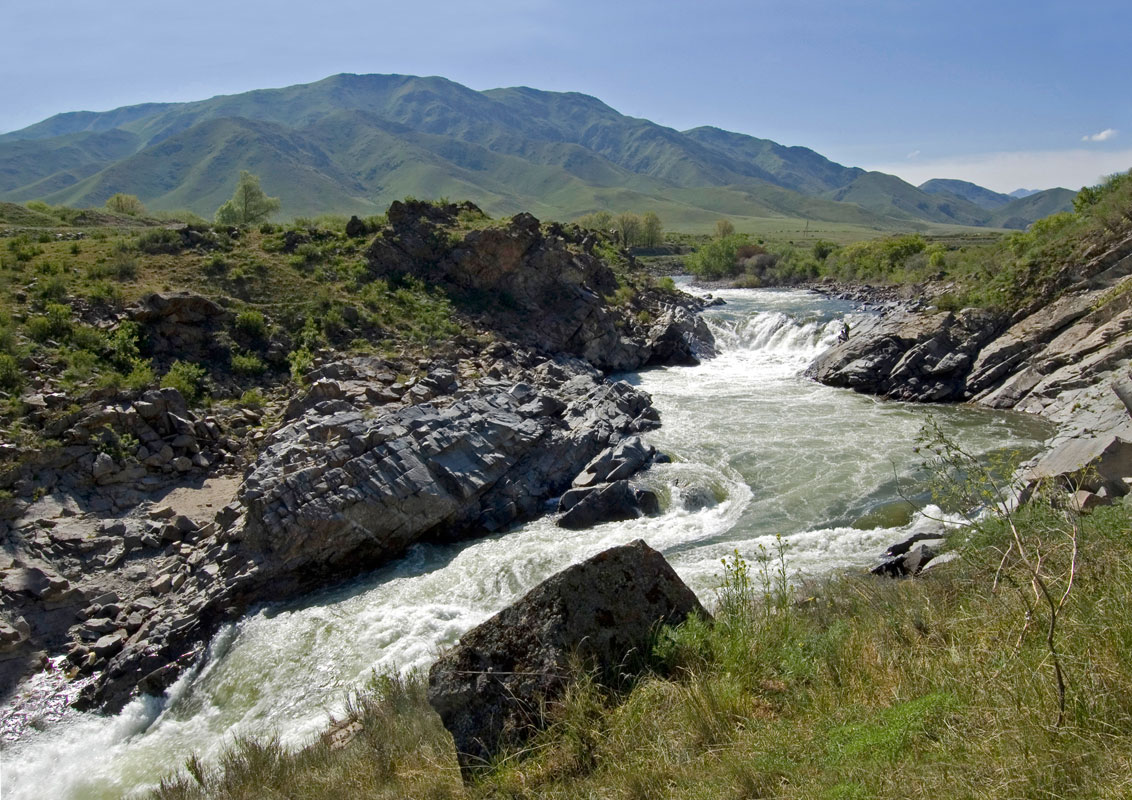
[
  {"x": 123, "y": 345},
  {"x": 104, "y": 293},
  {"x": 246, "y": 364},
  {"x": 127, "y": 204},
  {"x": 122, "y": 264},
  {"x": 11, "y": 376},
  {"x": 186, "y": 378},
  {"x": 140, "y": 376},
  {"x": 55, "y": 323},
  {"x": 253, "y": 398},
  {"x": 52, "y": 288},
  {"x": 85, "y": 337},
  {"x": 160, "y": 240},
  {"x": 718, "y": 258},
  {"x": 301, "y": 363},
  {"x": 251, "y": 323}
]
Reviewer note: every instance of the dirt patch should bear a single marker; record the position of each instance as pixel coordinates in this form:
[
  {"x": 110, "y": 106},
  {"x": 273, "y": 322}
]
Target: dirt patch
[{"x": 200, "y": 503}]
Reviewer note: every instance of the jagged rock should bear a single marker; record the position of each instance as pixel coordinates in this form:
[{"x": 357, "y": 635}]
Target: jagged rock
[
  {"x": 906, "y": 565},
  {"x": 35, "y": 582},
  {"x": 1089, "y": 463},
  {"x": 355, "y": 228},
  {"x": 909, "y": 356},
  {"x": 609, "y": 503},
  {"x": 615, "y": 463},
  {"x": 493, "y": 687},
  {"x": 554, "y": 295}
]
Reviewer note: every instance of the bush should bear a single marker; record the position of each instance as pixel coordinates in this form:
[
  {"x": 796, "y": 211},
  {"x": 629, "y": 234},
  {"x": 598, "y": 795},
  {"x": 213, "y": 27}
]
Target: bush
[
  {"x": 11, "y": 376},
  {"x": 718, "y": 258},
  {"x": 251, "y": 324},
  {"x": 127, "y": 204},
  {"x": 55, "y": 323},
  {"x": 186, "y": 378},
  {"x": 247, "y": 364},
  {"x": 160, "y": 240}
]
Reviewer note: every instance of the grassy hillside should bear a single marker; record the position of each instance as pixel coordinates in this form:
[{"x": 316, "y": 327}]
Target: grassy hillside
[
  {"x": 353, "y": 143},
  {"x": 983, "y": 198}
]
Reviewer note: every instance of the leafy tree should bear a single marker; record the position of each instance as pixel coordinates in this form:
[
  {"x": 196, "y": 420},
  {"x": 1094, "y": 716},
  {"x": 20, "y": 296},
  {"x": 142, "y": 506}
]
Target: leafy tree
[
  {"x": 597, "y": 221},
  {"x": 724, "y": 228},
  {"x": 652, "y": 231},
  {"x": 629, "y": 226},
  {"x": 718, "y": 258},
  {"x": 127, "y": 204},
  {"x": 249, "y": 205}
]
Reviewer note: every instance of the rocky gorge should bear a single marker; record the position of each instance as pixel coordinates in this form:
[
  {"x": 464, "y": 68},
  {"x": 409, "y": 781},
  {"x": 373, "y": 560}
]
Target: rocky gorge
[
  {"x": 127, "y": 545},
  {"x": 110, "y": 564}
]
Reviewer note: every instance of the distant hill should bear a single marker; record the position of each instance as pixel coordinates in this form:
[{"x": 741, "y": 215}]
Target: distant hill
[
  {"x": 1019, "y": 213},
  {"x": 355, "y": 143},
  {"x": 983, "y": 198},
  {"x": 1018, "y": 194}
]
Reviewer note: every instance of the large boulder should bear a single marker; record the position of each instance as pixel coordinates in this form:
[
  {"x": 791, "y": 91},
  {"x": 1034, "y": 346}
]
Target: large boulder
[
  {"x": 493, "y": 688},
  {"x": 908, "y": 356}
]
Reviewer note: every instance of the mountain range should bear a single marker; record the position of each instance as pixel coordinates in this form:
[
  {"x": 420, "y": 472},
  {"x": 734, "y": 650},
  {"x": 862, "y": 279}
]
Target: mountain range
[{"x": 354, "y": 143}]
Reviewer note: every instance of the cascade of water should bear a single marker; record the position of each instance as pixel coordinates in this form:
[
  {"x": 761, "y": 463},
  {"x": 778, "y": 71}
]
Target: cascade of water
[{"x": 758, "y": 451}]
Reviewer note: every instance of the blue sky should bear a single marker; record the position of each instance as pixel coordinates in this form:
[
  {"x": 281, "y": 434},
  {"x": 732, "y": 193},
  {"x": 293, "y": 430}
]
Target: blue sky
[{"x": 1001, "y": 93}]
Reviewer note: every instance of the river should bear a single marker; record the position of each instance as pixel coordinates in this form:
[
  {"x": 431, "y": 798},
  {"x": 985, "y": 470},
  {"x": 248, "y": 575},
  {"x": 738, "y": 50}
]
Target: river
[{"x": 769, "y": 452}]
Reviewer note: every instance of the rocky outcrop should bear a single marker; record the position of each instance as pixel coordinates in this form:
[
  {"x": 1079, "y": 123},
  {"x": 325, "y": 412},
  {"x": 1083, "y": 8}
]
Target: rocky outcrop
[
  {"x": 342, "y": 489},
  {"x": 495, "y": 686},
  {"x": 1065, "y": 360},
  {"x": 909, "y": 356},
  {"x": 543, "y": 288}
]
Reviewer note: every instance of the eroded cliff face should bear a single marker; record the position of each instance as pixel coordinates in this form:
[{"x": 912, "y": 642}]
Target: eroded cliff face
[{"x": 546, "y": 289}]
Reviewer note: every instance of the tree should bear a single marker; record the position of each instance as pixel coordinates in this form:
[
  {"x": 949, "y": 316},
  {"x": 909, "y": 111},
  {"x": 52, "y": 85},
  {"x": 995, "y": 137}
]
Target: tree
[
  {"x": 652, "y": 231},
  {"x": 629, "y": 226},
  {"x": 127, "y": 204},
  {"x": 249, "y": 204},
  {"x": 723, "y": 228},
  {"x": 597, "y": 221}
]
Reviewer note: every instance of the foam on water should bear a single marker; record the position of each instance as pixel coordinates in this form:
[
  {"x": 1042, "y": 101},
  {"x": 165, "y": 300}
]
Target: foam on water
[{"x": 759, "y": 451}]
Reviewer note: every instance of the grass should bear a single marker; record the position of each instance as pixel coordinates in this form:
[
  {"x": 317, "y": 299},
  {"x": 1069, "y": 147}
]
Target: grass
[{"x": 857, "y": 687}]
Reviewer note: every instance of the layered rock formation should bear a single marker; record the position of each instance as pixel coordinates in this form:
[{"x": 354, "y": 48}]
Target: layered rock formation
[
  {"x": 1061, "y": 360},
  {"x": 353, "y": 469}
]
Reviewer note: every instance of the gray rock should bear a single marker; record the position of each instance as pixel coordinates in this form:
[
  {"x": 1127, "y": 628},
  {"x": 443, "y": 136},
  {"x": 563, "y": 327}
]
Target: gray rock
[
  {"x": 907, "y": 564},
  {"x": 612, "y": 502},
  {"x": 616, "y": 463},
  {"x": 491, "y": 689}
]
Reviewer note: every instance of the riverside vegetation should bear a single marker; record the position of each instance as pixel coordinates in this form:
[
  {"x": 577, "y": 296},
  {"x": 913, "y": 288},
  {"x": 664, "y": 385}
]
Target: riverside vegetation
[
  {"x": 1015, "y": 271},
  {"x": 853, "y": 687},
  {"x": 856, "y": 687}
]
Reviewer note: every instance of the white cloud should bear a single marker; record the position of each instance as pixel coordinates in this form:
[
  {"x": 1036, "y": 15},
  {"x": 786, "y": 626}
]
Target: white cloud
[
  {"x": 1103, "y": 136},
  {"x": 1005, "y": 172},
  {"x": 913, "y": 154}
]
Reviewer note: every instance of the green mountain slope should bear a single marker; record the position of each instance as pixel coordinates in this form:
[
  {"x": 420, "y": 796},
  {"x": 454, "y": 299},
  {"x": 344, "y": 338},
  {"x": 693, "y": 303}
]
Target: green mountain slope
[
  {"x": 1019, "y": 213},
  {"x": 888, "y": 195},
  {"x": 353, "y": 143},
  {"x": 972, "y": 192}
]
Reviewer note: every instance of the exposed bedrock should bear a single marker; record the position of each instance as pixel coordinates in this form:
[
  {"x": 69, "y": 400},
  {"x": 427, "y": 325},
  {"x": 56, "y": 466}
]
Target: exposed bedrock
[
  {"x": 342, "y": 489},
  {"x": 494, "y": 687},
  {"x": 1069, "y": 361},
  {"x": 543, "y": 288}
]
